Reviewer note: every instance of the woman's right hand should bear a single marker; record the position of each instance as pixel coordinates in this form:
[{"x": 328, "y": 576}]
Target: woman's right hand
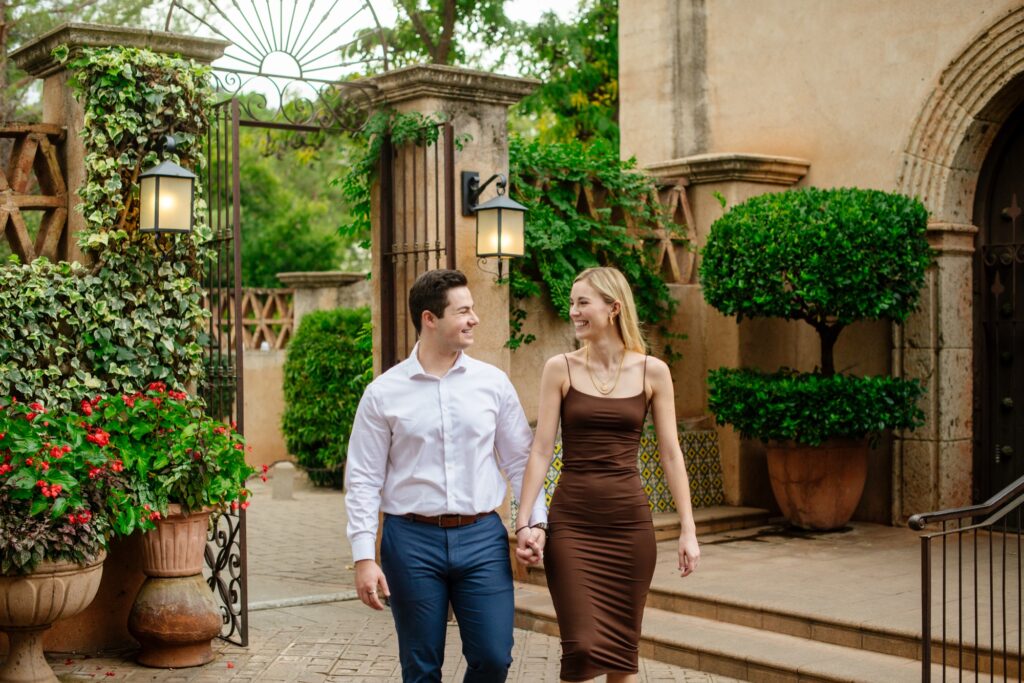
[{"x": 528, "y": 551}]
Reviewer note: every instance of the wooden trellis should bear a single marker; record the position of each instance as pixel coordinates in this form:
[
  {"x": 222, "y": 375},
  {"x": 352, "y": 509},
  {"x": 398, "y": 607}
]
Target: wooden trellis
[
  {"x": 33, "y": 181},
  {"x": 267, "y": 316},
  {"x": 674, "y": 256}
]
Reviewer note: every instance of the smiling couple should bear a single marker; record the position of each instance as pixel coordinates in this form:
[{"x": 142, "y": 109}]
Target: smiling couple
[{"x": 422, "y": 452}]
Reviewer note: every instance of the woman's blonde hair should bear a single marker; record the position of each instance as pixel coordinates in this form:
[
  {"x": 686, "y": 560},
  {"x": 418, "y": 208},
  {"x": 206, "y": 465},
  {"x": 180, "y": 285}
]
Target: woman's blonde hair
[{"x": 612, "y": 286}]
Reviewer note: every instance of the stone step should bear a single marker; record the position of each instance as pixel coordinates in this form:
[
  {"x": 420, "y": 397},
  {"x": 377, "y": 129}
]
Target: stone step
[
  {"x": 671, "y": 595},
  {"x": 741, "y": 652}
]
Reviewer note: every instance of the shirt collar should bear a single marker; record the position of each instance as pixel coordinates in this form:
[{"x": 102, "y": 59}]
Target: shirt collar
[{"x": 416, "y": 369}]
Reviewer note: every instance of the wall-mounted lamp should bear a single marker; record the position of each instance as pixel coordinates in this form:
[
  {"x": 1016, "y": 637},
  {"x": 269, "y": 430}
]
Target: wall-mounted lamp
[
  {"x": 167, "y": 196},
  {"x": 499, "y": 221}
]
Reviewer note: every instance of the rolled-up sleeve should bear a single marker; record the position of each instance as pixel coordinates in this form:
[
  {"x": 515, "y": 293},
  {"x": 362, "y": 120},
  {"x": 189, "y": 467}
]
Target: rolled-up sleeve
[
  {"x": 512, "y": 439},
  {"x": 365, "y": 470}
]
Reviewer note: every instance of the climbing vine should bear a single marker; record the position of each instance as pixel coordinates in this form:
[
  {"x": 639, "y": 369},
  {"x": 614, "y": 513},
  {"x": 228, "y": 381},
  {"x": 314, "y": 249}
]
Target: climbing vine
[{"x": 135, "y": 314}]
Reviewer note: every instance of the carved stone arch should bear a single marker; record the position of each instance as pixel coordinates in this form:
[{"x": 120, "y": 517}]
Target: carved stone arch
[
  {"x": 975, "y": 94},
  {"x": 942, "y": 162}
]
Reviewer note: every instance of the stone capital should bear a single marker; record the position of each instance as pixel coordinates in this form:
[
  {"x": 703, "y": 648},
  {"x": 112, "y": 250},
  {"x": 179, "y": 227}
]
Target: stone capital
[
  {"x": 36, "y": 56},
  {"x": 433, "y": 81},
  {"x": 319, "y": 280},
  {"x": 733, "y": 167},
  {"x": 952, "y": 238}
]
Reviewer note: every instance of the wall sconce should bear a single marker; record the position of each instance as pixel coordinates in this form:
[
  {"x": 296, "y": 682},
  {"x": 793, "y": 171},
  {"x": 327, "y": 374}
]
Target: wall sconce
[
  {"x": 167, "y": 197},
  {"x": 499, "y": 221}
]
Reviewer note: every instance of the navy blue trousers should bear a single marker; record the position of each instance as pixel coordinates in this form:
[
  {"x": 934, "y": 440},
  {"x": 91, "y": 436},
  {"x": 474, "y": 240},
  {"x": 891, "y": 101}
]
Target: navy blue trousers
[{"x": 427, "y": 568}]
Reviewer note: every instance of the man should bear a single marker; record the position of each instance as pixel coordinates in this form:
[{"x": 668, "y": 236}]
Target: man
[{"x": 423, "y": 451}]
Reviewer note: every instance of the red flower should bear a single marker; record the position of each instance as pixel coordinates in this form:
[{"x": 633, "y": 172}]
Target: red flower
[
  {"x": 238, "y": 446},
  {"x": 31, "y": 416},
  {"x": 94, "y": 472},
  {"x": 117, "y": 465},
  {"x": 99, "y": 437},
  {"x": 266, "y": 468},
  {"x": 2, "y": 435},
  {"x": 44, "y": 465},
  {"x": 245, "y": 505},
  {"x": 72, "y": 519},
  {"x": 29, "y": 461},
  {"x": 128, "y": 400},
  {"x": 95, "y": 400},
  {"x": 85, "y": 517},
  {"x": 36, "y": 406},
  {"x": 5, "y": 468},
  {"x": 234, "y": 505},
  {"x": 154, "y": 515},
  {"x": 86, "y": 408}
]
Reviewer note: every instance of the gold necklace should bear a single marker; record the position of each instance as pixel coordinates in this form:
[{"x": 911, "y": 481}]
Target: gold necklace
[{"x": 602, "y": 387}]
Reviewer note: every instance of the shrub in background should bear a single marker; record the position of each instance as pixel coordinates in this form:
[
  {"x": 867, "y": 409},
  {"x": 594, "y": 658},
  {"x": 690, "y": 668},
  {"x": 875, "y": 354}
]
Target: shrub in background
[{"x": 329, "y": 364}]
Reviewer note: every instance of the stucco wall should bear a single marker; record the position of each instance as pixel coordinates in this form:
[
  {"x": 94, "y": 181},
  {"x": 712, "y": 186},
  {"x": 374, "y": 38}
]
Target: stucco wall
[{"x": 836, "y": 82}]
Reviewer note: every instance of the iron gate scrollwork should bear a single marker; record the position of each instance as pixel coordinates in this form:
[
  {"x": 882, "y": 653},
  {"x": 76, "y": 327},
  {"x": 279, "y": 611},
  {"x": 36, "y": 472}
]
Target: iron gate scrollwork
[
  {"x": 417, "y": 229},
  {"x": 223, "y": 387}
]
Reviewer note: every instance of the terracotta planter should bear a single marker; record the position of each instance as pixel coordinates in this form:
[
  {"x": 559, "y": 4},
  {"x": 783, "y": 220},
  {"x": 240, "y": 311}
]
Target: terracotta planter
[
  {"x": 818, "y": 487},
  {"x": 30, "y": 603},
  {"x": 175, "y": 617}
]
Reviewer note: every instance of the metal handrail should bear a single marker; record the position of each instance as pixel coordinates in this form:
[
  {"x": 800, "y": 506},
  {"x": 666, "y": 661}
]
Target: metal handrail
[
  {"x": 959, "y": 526},
  {"x": 1008, "y": 495}
]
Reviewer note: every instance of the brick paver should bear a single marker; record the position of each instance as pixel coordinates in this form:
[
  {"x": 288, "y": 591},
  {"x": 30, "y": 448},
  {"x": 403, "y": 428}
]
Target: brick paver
[{"x": 298, "y": 548}]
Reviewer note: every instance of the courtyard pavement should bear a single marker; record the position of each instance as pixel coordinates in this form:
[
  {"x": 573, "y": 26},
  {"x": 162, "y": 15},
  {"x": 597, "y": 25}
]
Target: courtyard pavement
[{"x": 306, "y": 625}]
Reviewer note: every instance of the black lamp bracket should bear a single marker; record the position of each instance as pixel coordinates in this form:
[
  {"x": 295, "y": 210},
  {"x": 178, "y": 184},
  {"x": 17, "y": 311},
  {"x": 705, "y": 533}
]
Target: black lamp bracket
[
  {"x": 472, "y": 189},
  {"x": 170, "y": 143}
]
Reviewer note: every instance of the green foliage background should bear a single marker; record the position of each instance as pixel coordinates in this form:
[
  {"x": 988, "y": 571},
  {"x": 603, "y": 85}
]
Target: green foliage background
[
  {"x": 133, "y": 316},
  {"x": 329, "y": 364}
]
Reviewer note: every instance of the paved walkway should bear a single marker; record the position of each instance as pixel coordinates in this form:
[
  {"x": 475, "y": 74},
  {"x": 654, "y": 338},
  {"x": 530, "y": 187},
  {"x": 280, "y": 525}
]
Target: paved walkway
[{"x": 297, "y": 551}]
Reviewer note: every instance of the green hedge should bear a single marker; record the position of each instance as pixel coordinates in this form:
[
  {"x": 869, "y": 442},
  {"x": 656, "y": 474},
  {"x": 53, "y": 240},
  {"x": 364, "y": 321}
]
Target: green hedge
[
  {"x": 329, "y": 364},
  {"x": 810, "y": 408}
]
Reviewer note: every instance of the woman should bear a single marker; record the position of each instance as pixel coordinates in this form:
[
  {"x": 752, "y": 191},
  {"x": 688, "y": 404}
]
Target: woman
[{"x": 600, "y": 551}]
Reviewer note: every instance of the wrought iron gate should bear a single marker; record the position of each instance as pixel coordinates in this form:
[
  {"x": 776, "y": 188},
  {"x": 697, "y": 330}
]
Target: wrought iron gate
[
  {"x": 417, "y": 229},
  {"x": 222, "y": 387}
]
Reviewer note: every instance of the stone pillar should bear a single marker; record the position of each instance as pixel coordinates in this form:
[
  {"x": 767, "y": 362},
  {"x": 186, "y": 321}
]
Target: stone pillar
[
  {"x": 714, "y": 340},
  {"x": 59, "y": 104},
  {"x": 477, "y": 105},
  {"x": 325, "y": 291},
  {"x": 933, "y": 465}
]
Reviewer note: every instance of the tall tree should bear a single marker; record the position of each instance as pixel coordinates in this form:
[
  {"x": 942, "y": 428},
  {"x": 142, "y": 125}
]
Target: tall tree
[
  {"x": 577, "y": 63},
  {"x": 453, "y": 32}
]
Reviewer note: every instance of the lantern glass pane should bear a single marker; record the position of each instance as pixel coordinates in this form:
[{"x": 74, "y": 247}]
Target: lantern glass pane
[
  {"x": 174, "y": 204},
  {"x": 487, "y": 232},
  {"x": 147, "y": 204},
  {"x": 511, "y": 232}
]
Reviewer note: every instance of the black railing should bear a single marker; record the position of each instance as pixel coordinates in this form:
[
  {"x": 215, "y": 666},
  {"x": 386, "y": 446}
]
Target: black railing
[{"x": 979, "y": 629}]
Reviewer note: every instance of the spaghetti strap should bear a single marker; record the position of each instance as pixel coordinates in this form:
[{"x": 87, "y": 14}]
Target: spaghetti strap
[{"x": 568, "y": 370}]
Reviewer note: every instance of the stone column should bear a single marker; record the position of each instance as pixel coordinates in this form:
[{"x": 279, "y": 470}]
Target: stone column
[
  {"x": 933, "y": 465},
  {"x": 324, "y": 291},
  {"x": 477, "y": 105},
  {"x": 714, "y": 340},
  {"x": 60, "y": 106}
]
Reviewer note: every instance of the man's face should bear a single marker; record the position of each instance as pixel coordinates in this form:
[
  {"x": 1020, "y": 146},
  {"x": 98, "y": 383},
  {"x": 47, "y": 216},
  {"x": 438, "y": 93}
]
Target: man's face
[{"x": 455, "y": 328}]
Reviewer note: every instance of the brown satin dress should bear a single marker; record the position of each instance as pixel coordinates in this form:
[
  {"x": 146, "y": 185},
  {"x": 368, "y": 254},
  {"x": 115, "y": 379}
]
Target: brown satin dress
[{"x": 600, "y": 553}]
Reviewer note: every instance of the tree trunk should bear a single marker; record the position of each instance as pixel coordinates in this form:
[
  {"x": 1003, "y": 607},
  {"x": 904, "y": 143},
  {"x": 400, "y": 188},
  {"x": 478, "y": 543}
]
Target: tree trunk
[{"x": 828, "y": 335}]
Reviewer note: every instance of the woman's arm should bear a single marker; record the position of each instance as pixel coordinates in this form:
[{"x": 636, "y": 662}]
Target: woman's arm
[
  {"x": 664, "y": 410},
  {"x": 531, "y": 544}
]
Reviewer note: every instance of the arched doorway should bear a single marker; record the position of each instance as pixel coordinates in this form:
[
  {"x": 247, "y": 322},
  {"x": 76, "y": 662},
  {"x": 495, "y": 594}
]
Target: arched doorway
[{"x": 999, "y": 313}]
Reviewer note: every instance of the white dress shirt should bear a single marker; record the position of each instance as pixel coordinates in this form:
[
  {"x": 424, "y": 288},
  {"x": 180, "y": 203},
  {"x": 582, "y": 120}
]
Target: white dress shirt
[{"x": 426, "y": 445}]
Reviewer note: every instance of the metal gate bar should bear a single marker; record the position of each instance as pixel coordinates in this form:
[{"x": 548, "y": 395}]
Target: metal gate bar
[
  {"x": 410, "y": 196},
  {"x": 222, "y": 387}
]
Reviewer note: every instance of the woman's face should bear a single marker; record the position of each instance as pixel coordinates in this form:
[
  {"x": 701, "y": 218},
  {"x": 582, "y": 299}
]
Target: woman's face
[{"x": 591, "y": 316}]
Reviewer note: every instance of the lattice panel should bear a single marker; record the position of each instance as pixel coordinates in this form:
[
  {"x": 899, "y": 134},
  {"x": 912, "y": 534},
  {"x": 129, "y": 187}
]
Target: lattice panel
[
  {"x": 674, "y": 257},
  {"x": 703, "y": 467},
  {"x": 33, "y": 181},
  {"x": 267, "y": 316}
]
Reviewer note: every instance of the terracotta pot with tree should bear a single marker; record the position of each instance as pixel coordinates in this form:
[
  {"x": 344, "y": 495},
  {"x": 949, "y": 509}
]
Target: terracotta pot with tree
[{"x": 830, "y": 258}]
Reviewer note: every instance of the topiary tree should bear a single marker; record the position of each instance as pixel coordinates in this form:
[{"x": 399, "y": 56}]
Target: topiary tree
[
  {"x": 829, "y": 258},
  {"x": 329, "y": 364}
]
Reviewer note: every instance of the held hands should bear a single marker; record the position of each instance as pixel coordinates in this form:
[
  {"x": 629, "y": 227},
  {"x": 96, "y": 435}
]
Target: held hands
[
  {"x": 530, "y": 545},
  {"x": 689, "y": 553},
  {"x": 371, "y": 585}
]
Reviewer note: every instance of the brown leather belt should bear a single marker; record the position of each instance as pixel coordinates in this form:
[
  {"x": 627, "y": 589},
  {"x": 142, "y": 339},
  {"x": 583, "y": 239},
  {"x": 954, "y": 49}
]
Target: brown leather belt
[{"x": 448, "y": 521}]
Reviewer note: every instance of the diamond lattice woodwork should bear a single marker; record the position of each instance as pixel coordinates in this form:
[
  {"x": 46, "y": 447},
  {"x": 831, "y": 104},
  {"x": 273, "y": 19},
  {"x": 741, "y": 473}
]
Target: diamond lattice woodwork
[
  {"x": 34, "y": 181},
  {"x": 267, "y": 316}
]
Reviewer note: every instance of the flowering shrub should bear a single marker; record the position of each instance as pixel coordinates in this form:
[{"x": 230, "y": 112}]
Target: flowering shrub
[
  {"x": 173, "y": 451},
  {"x": 62, "y": 489}
]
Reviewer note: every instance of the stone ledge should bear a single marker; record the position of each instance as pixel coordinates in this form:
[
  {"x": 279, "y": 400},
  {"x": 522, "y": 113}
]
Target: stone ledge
[
  {"x": 36, "y": 57},
  {"x": 314, "y": 280},
  {"x": 450, "y": 83},
  {"x": 732, "y": 167}
]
